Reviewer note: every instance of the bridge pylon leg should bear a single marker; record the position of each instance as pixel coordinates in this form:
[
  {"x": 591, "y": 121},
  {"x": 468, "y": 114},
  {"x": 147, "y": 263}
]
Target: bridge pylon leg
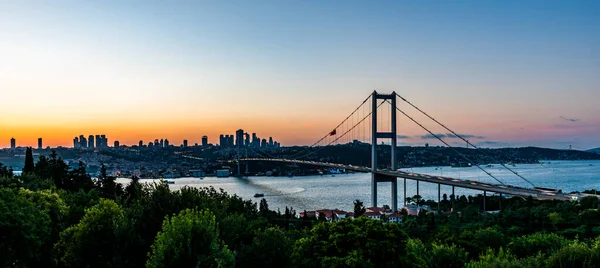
[
  {"x": 395, "y": 194},
  {"x": 373, "y": 189},
  {"x": 453, "y": 198},
  {"x": 405, "y": 192}
]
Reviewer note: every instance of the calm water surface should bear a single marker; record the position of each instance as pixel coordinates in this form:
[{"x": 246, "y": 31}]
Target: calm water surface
[{"x": 317, "y": 192}]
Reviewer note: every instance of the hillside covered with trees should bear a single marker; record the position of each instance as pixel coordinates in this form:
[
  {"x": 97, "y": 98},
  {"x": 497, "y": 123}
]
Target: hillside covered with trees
[{"x": 55, "y": 217}]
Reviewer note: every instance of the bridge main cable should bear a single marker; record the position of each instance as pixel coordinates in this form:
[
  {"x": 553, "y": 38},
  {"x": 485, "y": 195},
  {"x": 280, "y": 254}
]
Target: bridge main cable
[
  {"x": 451, "y": 147},
  {"x": 460, "y": 137}
]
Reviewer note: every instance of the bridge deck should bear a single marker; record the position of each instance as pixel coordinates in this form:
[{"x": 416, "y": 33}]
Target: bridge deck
[{"x": 475, "y": 185}]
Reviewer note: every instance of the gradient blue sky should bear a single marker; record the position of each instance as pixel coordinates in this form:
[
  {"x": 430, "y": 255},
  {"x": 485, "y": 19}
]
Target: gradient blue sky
[{"x": 503, "y": 70}]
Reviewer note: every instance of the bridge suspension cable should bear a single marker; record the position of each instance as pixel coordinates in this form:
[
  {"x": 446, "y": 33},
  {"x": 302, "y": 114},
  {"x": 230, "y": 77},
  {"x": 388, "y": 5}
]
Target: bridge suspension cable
[
  {"x": 444, "y": 142},
  {"x": 460, "y": 137},
  {"x": 343, "y": 134},
  {"x": 336, "y": 127}
]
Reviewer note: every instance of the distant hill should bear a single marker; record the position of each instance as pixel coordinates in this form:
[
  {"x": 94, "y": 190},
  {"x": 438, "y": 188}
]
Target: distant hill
[{"x": 596, "y": 150}]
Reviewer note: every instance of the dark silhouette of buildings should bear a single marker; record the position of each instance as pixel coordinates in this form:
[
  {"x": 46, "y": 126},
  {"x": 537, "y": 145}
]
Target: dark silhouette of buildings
[
  {"x": 13, "y": 143},
  {"x": 40, "y": 144},
  {"x": 204, "y": 141}
]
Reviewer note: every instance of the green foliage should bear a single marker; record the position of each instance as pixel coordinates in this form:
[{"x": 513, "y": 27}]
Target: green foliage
[
  {"x": 575, "y": 254},
  {"x": 348, "y": 242},
  {"x": 93, "y": 241},
  {"x": 588, "y": 202},
  {"x": 25, "y": 228},
  {"x": 190, "y": 239},
  {"x": 417, "y": 253},
  {"x": 447, "y": 256},
  {"x": 272, "y": 247},
  {"x": 530, "y": 245},
  {"x": 505, "y": 259},
  {"x": 490, "y": 238}
]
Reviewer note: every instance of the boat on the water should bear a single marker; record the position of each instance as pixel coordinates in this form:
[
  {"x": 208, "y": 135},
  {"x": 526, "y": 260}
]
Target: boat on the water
[{"x": 259, "y": 195}]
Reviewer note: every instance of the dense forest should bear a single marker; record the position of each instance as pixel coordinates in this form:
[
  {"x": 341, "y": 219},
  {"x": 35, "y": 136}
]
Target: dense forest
[{"x": 51, "y": 216}]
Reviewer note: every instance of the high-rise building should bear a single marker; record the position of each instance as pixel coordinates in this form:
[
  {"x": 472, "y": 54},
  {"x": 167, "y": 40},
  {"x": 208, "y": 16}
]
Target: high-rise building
[
  {"x": 76, "y": 142},
  {"x": 141, "y": 144},
  {"x": 150, "y": 145},
  {"x": 166, "y": 143},
  {"x": 255, "y": 141},
  {"x": 230, "y": 141},
  {"x": 82, "y": 142},
  {"x": 247, "y": 142},
  {"x": 204, "y": 141},
  {"x": 185, "y": 143},
  {"x": 222, "y": 141},
  {"x": 263, "y": 143},
  {"x": 117, "y": 144},
  {"x": 105, "y": 141},
  {"x": 239, "y": 138},
  {"x": 40, "y": 147},
  {"x": 270, "y": 141},
  {"x": 13, "y": 143},
  {"x": 91, "y": 141}
]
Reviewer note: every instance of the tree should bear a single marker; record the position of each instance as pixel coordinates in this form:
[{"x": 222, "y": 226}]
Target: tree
[
  {"x": 530, "y": 245},
  {"x": 24, "y": 229},
  {"x": 133, "y": 190},
  {"x": 93, "y": 241},
  {"x": 359, "y": 208},
  {"x": 271, "y": 247},
  {"x": 29, "y": 166},
  {"x": 264, "y": 207},
  {"x": 190, "y": 239},
  {"x": 361, "y": 242}
]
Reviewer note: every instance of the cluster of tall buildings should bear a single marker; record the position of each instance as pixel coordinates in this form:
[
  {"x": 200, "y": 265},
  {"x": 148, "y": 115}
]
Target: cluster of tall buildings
[
  {"x": 13, "y": 143},
  {"x": 243, "y": 139},
  {"x": 98, "y": 141}
]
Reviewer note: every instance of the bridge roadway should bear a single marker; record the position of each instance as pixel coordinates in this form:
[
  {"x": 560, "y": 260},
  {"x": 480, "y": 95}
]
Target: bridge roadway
[{"x": 475, "y": 185}]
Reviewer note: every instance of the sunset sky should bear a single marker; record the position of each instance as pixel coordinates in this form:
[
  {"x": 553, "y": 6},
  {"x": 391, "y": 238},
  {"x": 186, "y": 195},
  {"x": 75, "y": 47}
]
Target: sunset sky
[{"x": 513, "y": 73}]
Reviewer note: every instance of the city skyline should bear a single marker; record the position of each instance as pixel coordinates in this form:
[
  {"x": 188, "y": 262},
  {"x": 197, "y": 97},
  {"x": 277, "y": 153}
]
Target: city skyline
[{"x": 507, "y": 74}]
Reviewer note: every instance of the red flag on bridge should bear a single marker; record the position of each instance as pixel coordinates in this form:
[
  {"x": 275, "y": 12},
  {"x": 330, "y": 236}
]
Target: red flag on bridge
[{"x": 332, "y": 132}]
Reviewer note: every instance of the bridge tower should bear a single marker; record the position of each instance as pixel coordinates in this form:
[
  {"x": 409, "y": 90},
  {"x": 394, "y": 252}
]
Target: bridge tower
[{"x": 375, "y": 177}]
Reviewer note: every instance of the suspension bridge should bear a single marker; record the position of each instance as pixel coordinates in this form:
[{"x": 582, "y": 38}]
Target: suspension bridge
[{"x": 376, "y": 119}]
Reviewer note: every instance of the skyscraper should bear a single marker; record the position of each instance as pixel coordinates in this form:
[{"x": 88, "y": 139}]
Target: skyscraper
[
  {"x": 247, "y": 142},
  {"x": 222, "y": 141},
  {"x": 117, "y": 144},
  {"x": 104, "y": 143},
  {"x": 270, "y": 141},
  {"x": 162, "y": 143},
  {"x": 91, "y": 141},
  {"x": 255, "y": 141},
  {"x": 13, "y": 143},
  {"x": 205, "y": 141},
  {"x": 166, "y": 143},
  {"x": 82, "y": 142},
  {"x": 98, "y": 141},
  {"x": 76, "y": 142},
  {"x": 156, "y": 144},
  {"x": 239, "y": 138},
  {"x": 40, "y": 144},
  {"x": 263, "y": 143},
  {"x": 141, "y": 144},
  {"x": 230, "y": 141},
  {"x": 185, "y": 143}
]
